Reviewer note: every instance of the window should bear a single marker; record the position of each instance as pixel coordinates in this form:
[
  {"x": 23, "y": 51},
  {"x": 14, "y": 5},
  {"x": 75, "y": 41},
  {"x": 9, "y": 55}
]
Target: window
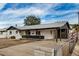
[
  {"x": 16, "y": 32},
  {"x": 28, "y": 32},
  {"x": 10, "y": 32},
  {"x": 1, "y": 32},
  {"x": 32, "y": 32},
  {"x": 62, "y": 30},
  {"x": 37, "y": 32}
]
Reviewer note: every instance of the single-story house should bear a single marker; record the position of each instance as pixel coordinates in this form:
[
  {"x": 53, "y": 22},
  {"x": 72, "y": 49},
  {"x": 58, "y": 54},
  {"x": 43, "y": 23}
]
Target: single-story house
[{"x": 42, "y": 31}]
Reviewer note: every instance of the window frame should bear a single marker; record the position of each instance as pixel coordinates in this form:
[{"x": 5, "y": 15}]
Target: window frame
[{"x": 16, "y": 32}]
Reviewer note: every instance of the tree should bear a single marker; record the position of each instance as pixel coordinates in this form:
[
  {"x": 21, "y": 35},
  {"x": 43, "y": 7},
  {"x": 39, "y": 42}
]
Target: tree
[
  {"x": 32, "y": 20},
  {"x": 76, "y": 27}
]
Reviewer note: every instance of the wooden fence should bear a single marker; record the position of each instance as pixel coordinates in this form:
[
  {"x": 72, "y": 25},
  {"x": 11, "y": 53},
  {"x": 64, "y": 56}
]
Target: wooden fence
[{"x": 73, "y": 38}]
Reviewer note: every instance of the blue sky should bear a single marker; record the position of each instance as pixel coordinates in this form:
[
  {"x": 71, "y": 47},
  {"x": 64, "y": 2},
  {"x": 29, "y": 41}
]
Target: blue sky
[{"x": 15, "y": 13}]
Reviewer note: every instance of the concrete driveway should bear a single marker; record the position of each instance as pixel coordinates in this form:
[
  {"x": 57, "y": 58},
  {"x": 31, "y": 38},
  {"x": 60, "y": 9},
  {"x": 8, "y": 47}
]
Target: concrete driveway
[{"x": 25, "y": 49}]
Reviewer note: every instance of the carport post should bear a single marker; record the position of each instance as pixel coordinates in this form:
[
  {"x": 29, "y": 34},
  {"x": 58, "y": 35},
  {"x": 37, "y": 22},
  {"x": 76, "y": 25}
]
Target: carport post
[
  {"x": 60, "y": 34},
  {"x": 56, "y": 36},
  {"x": 67, "y": 33},
  {"x": 6, "y": 34}
]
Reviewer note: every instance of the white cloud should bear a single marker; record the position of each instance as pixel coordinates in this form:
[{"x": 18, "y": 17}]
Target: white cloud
[
  {"x": 2, "y": 5},
  {"x": 38, "y": 10},
  {"x": 25, "y": 11},
  {"x": 43, "y": 21},
  {"x": 12, "y": 16},
  {"x": 71, "y": 21},
  {"x": 9, "y": 23}
]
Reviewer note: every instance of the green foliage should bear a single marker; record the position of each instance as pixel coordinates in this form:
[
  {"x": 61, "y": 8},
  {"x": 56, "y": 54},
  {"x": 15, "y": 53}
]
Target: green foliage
[
  {"x": 32, "y": 20},
  {"x": 75, "y": 25}
]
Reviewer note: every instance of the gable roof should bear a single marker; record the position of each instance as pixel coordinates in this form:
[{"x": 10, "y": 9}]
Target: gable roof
[
  {"x": 11, "y": 27},
  {"x": 44, "y": 26}
]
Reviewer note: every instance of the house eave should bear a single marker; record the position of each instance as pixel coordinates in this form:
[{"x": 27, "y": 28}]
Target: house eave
[{"x": 41, "y": 28}]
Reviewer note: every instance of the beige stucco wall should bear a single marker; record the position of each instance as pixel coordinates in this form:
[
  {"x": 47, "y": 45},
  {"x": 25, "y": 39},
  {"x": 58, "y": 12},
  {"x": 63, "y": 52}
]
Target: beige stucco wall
[
  {"x": 47, "y": 34},
  {"x": 18, "y": 36}
]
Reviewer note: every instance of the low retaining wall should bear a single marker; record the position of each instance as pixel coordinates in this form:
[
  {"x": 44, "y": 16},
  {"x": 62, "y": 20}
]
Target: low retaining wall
[{"x": 44, "y": 51}]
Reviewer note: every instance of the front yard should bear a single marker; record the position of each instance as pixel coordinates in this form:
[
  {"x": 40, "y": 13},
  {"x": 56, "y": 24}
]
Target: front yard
[
  {"x": 25, "y": 47},
  {"x": 11, "y": 42},
  {"x": 22, "y": 49},
  {"x": 4, "y": 43}
]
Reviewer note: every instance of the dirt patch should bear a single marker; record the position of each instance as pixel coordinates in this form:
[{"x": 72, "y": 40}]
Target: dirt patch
[
  {"x": 11, "y": 42},
  {"x": 26, "y": 49}
]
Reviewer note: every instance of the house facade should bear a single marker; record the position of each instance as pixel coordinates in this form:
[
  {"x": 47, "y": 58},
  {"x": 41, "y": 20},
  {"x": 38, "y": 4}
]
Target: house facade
[{"x": 42, "y": 31}]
